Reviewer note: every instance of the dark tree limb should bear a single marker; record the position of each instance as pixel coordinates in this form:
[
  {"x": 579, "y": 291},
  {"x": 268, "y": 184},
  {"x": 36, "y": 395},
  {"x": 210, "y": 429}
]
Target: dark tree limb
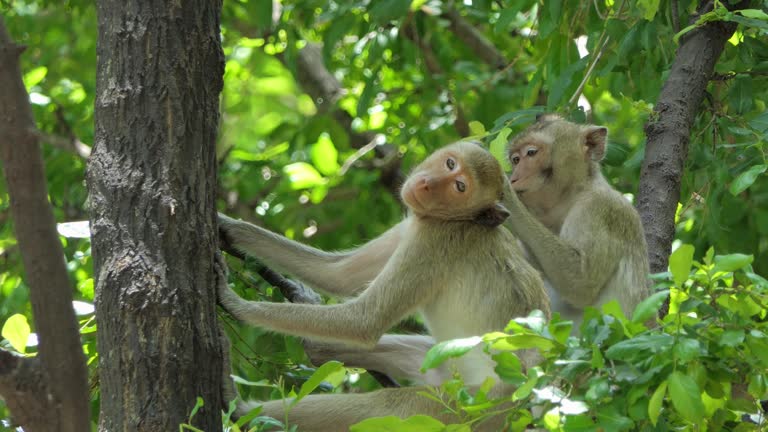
[
  {"x": 668, "y": 133},
  {"x": 60, "y": 352}
]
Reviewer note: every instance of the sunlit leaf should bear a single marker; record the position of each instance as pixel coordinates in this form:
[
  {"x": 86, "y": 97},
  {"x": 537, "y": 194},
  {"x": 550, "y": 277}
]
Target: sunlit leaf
[
  {"x": 16, "y": 330},
  {"x": 325, "y": 157},
  {"x": 332, "y": 371},
  {"x": 655, "y": 404},
  {"x": 680, "y": 262},
  {"x": 302, "y": 175},
  {"x": 447, "y": 349}
]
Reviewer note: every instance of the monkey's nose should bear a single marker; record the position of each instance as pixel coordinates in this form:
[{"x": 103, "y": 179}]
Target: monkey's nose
[{"x": 424, "y": 184}]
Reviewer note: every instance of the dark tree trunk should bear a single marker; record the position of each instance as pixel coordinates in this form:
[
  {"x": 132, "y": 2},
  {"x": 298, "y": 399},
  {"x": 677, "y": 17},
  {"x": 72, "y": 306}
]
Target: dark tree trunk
[
  {"x": 49, "y": 393},
  {"x": 668, "y": 133},
  {"x": 151, "y": 180}
]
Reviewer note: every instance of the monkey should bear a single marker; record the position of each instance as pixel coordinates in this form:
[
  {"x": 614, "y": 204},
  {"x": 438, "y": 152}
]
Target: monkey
[
  {"x": 582, "y": 234},
  {"x": 449, "y": 259}
]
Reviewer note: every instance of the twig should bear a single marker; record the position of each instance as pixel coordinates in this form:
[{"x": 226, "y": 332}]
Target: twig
[
  {"x": 675, "y": 16},
  {"x": 379, "y": 139},
  {"x": 591, "y": 68}
]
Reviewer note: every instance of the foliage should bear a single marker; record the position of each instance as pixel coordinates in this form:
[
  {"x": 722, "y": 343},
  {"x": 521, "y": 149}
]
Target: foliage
[
  {"x": 287, "y": 162},
  {"x": 703, "y": 367}
]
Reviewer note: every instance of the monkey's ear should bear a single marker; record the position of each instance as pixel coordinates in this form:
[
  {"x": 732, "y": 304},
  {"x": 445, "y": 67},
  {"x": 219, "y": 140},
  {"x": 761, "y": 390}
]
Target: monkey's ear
[
  {"x": 595, "y": 140},
  {"x": 492, "y": 216}
]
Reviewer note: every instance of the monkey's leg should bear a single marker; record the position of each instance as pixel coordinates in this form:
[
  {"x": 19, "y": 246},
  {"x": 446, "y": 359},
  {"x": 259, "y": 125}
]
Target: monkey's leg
[
  {"x": 337, "y": 412},
  {"x": 399, "y": 356}
]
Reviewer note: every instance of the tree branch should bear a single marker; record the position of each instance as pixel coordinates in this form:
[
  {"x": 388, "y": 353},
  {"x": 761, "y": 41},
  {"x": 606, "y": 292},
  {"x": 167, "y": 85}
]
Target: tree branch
[
  {"x": 668, "y": 133},
  {"x": 325, "y": 90},
  {"x": 60, "y": 351},
  {"x": 475, "y": 40}
]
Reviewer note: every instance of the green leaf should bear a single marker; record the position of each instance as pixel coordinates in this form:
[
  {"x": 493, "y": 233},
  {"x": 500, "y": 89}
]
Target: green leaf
[
  {"x": 654, "y": 405},
  {"x": 732, "y": 262},
  {"x": 686, "y": 349},
  {"x": 649, "y": 8},
  {"x": 746, "y": 179},
  {"x": 732, "y": 337},
  {"x": 754, "y": 13},
  {"x": 16, "y": 330},
  {"x": 332, "y": 371},
  {"x": 686, "y": 396},
  {"x": 419, "y": 423},
  {"x": 324, "y": 155},
  {"x": 302, "y": 175},
  {"x": 640, "y": 346},
  {"x": 509, "y": 368},
  {"x": 649, "y": 307},
  {"x": 760, "y": 123},
  {"x": 476, "y": 128},
  {"x": 33, "y": 77},
  {"x": 522, "y": 341},
  {"x": 680, "y": 263},
  {"x": 447, "y": 349},
  {"x": 525, "y": 390},
  {"x": 384, "y": 11},
  {"x": 499, "y": 148}
]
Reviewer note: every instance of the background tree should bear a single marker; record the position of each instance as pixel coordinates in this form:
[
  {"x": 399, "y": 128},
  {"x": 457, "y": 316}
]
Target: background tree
[{"x": 326, "y": 104}]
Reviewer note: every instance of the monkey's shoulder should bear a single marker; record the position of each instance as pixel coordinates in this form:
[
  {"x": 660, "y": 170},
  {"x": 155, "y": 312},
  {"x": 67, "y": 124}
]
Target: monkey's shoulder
[{"x": 608, "y": 208}]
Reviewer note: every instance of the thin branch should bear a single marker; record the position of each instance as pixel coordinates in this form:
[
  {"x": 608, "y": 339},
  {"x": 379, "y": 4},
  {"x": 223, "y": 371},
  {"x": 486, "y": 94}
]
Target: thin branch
[
  {"x": 675, "y": 16},
  {"x": 69, "y": 144},
  {"x": 591, "y": 68}
]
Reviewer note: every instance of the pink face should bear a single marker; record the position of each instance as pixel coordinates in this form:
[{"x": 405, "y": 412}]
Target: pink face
[
  {"x": 440, "y": 183},
  {"x": 529, "y": 156}
]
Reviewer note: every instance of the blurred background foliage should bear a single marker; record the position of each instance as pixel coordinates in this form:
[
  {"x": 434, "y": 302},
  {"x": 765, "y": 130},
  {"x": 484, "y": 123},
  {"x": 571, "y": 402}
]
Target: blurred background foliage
[{"x": 312, "y": 146}]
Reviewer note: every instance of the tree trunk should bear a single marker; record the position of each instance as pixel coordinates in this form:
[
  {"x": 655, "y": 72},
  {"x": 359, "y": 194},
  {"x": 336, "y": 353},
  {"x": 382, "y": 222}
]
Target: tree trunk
[
  {"x": 668, "y": 133},
  {"x": 49, "y": 394},
  {"x": 151, "y": 181}
]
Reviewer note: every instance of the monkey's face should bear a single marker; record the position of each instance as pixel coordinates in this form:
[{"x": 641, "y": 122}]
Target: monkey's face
[
  {"x": 445, "y": 185},
  {"x": 531, "y": 159}
]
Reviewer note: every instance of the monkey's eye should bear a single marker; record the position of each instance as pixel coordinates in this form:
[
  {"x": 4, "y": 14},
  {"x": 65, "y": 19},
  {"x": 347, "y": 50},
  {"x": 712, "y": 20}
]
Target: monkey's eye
[
  {"x": 460, "y": 186},
  {"x": 516, "y": 160},
  {"x": 450, "y": 163},
  {"x": 531, "y": 152}
]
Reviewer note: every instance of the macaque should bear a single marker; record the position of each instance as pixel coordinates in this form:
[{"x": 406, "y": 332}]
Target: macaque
[
  {"x": 449, "y": 260},
  {"x": 583, "y": 235}
]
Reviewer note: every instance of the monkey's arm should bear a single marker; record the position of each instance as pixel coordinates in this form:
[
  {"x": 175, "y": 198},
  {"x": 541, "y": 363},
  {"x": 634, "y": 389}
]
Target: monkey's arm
[
  {"x": 401, "y": 288},
  {"x": 338, "y": 273},
  {"x": 579, "y": 262}
]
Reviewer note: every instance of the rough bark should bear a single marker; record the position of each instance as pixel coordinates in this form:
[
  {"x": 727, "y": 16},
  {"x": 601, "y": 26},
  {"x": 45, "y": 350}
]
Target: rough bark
[
  {"x": 668, "y": 133},
  {"x": 151, "y": 180},
  {"x": 58, "y": 381}
]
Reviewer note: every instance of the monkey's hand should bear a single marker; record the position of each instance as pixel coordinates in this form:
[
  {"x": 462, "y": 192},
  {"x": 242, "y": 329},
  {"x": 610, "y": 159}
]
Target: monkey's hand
[
  {"x": 511, "y": 201},
  {"x": 228, "y": 299}
]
